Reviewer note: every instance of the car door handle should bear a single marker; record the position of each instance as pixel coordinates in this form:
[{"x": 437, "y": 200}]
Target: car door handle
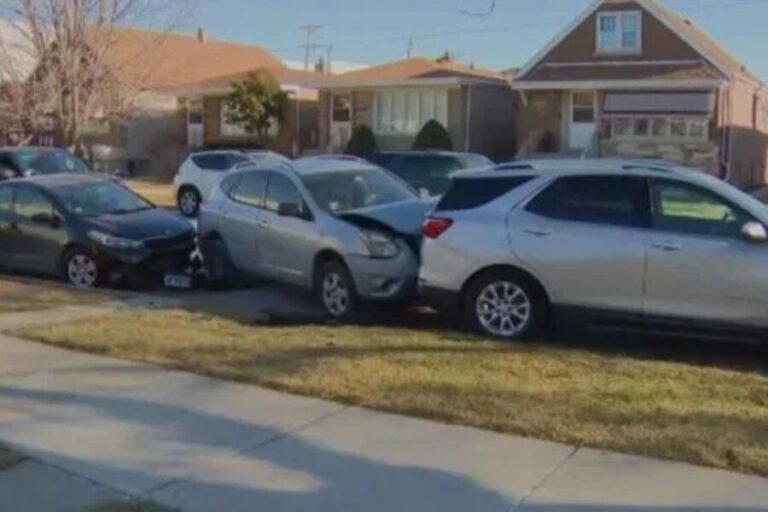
[
  {"x": 666, "y": 246},
  {"x": 540, "y": 233}
]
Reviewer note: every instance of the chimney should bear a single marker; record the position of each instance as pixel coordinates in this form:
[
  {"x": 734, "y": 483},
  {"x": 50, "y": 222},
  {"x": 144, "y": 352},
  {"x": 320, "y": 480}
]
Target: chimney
[{"x": 201, "y": 35}]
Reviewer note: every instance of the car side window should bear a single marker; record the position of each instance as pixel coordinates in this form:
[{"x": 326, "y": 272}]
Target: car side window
[
  {"x": 611, "y": 200},
  {"x": 688, "y": 209},
  {"x": 213, "y": 161},
  {"x": 6, "y": 162},
  {"x": 31, "y": 203},
  {"x": 235, "y": 159},
  {"x": 6, "y": 199},
  {"x": 251, "y": 189},
  {"x": 282, "y": 191}
]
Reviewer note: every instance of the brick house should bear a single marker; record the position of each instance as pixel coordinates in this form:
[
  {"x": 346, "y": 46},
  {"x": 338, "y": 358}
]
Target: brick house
[
  {"x": 206, "y": 112},
  {"x": 632, "y": 78},
  {"x": 158, "y": 67},
  {"x": 396, "y": 99}
]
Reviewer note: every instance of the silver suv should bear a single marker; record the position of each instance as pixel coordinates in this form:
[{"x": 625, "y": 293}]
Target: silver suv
[
  {"x": 343, "y": 227},
  {"x": 640, "y": 241}
]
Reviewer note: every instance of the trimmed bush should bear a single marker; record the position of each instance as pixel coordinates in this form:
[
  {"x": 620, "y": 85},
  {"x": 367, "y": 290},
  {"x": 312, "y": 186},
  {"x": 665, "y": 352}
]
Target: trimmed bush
[
  {"x": 362, "y": 143},
  {"x": 433, "y": 135}
]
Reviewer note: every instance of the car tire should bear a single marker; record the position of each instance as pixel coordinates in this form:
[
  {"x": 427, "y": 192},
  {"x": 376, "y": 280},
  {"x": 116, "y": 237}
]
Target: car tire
[
  {"x": 335, "y": 290},
  {"x": 81, "y": 269},
  {"x": 504, "y": 304},
  {"x": 218, "y": 263},
  {"x": 188, "y": 201}
]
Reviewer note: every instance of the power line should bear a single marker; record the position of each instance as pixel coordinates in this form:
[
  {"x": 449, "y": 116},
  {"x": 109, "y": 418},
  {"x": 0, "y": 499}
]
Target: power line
[
  {"x": 484, "y": 14},
  {"x": 308, "y": 31}
]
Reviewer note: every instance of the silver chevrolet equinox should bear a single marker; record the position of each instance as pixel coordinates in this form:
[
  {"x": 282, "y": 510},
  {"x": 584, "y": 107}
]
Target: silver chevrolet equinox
[
  {"x": 636, "y": 242},
  {"x": 341, "y": 226}
]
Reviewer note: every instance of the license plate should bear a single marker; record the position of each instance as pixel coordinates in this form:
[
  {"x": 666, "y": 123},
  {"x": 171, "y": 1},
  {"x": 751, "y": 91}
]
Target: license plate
[{"x": 177, "y": 281}]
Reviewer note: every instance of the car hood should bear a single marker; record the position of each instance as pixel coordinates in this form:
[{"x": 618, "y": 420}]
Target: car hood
[
  {"x": 143, "y": 224},
  {"x": 403, "y": 217}
]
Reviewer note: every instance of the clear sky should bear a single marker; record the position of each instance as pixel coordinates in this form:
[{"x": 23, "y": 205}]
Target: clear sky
[{"x": 375, "y": 31}]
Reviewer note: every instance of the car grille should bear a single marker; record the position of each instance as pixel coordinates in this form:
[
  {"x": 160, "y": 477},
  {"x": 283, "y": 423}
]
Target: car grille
[{"x": 172, "y": 243}]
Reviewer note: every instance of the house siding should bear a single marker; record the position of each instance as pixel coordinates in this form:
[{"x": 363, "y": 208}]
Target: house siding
[
  {"x": 748, "y": 134},
  {"x": 492, "y": 121},
  {"x": 541, "y": 113},
  {"x": 658, "y": 41}
]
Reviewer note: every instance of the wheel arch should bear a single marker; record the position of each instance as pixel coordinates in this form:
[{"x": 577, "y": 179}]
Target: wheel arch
[{"x": 324, "y": 256}]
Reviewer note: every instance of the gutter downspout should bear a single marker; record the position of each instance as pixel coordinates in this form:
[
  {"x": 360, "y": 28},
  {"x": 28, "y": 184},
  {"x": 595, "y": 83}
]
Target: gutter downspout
[
  {"x": 726, "y": 139},
  {"x": 297, "y": 140},
  {"x": 467, "y": 127}
]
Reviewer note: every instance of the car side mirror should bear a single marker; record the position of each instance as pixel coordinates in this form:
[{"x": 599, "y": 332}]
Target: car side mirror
[
  {"x": 754, "y": 232},
  {"x": 48, "y": 219}
]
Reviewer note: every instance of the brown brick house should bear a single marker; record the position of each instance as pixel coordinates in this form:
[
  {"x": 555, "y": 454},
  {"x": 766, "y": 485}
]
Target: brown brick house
[
  {"x": 631, "y": 78},
  {"x": 396, "y": 99},
  {"x": 207, "y": 123}
]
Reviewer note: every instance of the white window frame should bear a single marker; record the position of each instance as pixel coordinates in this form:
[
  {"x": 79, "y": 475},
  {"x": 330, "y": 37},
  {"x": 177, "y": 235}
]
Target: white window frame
[
  {"x": 393, "y": 122},
  {"x": 689, "y": 121},
  {"x": 619, "y": 24}
]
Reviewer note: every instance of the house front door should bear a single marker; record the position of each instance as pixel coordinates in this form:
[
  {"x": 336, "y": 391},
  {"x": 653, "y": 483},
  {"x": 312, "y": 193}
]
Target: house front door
[
  {"x": 195, "y": 130},
  {"x": 341, "y": 121},
  {"x": 583, "y": 120}
]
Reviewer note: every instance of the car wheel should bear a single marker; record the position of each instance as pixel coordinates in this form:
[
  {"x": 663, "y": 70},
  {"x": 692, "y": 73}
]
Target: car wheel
[
  {"x": 81, "y": 269},
  {"x": 189, "y": 201},
  {"x": 218, "y": 263},
  {"x": 505, "y": 305},
  {"x": 336, "y": 290}
]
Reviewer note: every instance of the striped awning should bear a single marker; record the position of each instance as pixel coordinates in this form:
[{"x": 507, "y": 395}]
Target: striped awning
[{"x": 659, "y": 103}]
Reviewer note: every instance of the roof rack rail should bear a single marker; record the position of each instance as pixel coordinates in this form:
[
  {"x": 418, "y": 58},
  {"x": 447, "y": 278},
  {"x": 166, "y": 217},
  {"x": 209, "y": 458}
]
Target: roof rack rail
[
  {"x": 648, "y": 167},
  {"x": 511, "y": 166}
]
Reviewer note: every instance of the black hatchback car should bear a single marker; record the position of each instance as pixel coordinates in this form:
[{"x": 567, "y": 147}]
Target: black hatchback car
[
  {"x": 90, "y": 230},
  {"x": 428, "y": 171}
]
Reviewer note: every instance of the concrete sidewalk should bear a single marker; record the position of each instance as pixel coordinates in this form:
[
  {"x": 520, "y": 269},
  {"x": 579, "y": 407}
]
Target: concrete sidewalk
[{"x": 102, "y": 428}]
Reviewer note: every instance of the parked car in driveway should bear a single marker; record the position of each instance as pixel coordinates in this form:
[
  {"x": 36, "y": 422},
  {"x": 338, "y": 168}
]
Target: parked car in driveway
[
  {"x": 89, "y": 230},
  {"x": 632, "y": 242},
  {"x": 345, "y": 228},
  {"x": 429, "y": 172},
  {"x": 202, "y": 171}
]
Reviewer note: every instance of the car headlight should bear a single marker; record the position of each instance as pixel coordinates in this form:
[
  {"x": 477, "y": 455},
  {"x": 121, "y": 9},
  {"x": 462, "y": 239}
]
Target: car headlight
[
  {"x": 114, "y": 242},
  {"x": 380, "y": 245}
]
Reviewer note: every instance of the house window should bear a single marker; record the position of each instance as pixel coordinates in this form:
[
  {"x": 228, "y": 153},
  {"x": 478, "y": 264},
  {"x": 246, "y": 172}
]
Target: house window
[
  {"x": 406, "y": 111},
  {"x": 660, "y": 128},
  {"x": 619, "y": 31}
]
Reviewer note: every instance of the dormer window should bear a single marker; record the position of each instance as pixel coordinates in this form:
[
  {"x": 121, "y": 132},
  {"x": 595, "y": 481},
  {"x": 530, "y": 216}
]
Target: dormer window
[{"x": 619, "y": 32}]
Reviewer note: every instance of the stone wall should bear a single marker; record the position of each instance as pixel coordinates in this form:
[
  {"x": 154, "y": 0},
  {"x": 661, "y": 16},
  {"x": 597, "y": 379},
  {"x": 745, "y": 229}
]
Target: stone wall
[{"x": 699, "y": 155}]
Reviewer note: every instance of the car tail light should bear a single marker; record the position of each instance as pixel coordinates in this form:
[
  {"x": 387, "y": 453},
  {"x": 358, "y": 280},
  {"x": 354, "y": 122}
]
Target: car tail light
[{"x": 433, "y": 227}]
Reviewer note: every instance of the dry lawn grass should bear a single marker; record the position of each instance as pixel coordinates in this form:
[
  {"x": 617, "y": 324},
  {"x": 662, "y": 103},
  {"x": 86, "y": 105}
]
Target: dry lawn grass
[
  {"x": 20, "y": 294},
  {"x": 159, "y": 193},
  {"x": 700, "y": 413}
]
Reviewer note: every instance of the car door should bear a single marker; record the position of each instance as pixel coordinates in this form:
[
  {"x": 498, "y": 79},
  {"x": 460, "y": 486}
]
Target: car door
[
  {"x": 699, "y": 265},
  {"x": 240, "y": 227},
  {"x": 585, "y": 237},
  {"x": 39, "y": 236},
  {"x": 290, "y": 238}
]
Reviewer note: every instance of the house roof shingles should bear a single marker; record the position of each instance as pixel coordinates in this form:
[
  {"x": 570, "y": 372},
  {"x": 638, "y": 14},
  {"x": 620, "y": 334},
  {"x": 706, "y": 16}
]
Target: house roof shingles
[
  {"x": 157, "y": 60},
  {"x": 283, "y": 75},
  {"x": 412, "y": 69}
]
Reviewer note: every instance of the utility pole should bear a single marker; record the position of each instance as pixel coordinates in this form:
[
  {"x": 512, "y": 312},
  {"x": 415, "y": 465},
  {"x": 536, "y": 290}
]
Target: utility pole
[
  {"x": 308, "y": 31},
  {"x": 328, "y": 57},
  {"x": 410, "y": 48}
]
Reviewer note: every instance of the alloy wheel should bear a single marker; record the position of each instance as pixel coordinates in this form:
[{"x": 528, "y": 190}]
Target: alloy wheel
[
  {"x": 336, "y": 295},
  {"x": 188, "y": 203},
  {"x": 503, "y": 309},
  {"x": 82, "y": 271}
]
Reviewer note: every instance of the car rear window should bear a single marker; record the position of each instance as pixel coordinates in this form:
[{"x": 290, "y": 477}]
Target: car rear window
[{"x": 467, "y": 193}]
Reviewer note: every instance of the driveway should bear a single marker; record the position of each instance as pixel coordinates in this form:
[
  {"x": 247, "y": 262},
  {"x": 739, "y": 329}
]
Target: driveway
[{"x": 123, "y": 429}]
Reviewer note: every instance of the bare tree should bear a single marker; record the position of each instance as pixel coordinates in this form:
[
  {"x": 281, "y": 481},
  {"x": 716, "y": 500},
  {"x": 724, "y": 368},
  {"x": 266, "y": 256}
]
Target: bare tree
[{"x": 55, "y": 70}]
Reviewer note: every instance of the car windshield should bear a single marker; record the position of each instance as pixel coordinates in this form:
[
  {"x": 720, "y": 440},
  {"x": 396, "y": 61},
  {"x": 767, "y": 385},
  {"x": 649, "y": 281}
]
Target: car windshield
[
  {"x": 100, "y": 198},
  {"x": 342, "y": 191},
  {"x": 49, "y": 161}
]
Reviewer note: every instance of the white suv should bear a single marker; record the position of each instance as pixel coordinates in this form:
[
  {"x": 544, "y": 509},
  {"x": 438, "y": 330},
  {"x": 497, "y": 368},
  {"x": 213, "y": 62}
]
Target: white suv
[
  {"x": 203, "y": 170},
  {"x": 631, "y": 242}
]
